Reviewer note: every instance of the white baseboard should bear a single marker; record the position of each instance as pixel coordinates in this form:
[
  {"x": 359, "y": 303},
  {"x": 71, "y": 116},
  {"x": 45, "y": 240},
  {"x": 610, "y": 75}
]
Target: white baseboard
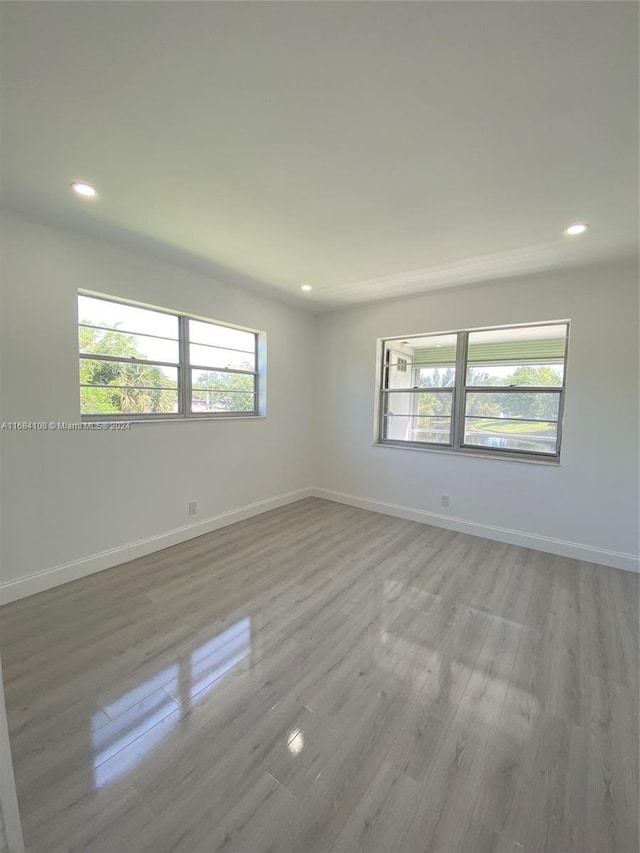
[
  {"x": 13, "y": 590},
  {"x": 49, "y": 578},
  {"x": 615, "y": 559}
]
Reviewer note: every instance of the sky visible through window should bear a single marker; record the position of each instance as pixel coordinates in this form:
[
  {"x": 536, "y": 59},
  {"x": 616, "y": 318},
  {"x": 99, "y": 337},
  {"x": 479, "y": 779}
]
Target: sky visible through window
[{"x": 140, "y": 321}]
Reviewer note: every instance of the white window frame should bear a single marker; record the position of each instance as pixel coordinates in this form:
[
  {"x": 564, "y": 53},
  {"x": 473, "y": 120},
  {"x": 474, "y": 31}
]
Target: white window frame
[
  {"x": 460, "y": 390},
  {"x": 184, "y": 368}
]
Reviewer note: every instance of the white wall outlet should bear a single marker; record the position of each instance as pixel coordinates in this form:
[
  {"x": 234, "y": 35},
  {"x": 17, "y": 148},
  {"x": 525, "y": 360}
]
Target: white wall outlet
[
  {"x": 444, "y": 500},
  {"x": 193, "y": 507}
]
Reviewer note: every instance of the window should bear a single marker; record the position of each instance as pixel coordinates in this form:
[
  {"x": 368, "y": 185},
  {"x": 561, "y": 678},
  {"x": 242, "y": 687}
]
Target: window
[
  {"x": 144, "y": 363},
  {"x": 492, "y": 391}
]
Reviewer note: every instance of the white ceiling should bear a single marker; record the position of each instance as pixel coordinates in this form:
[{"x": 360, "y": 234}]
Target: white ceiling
[{"x": 371, "y": 149}]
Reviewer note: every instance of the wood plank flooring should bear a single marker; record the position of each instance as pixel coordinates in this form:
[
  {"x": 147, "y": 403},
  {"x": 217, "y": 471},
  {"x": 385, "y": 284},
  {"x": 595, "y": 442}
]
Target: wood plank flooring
[{"x": 321, "y": 678}]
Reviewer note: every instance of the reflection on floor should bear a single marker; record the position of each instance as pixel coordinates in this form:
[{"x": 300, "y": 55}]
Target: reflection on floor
[
  {"x": 169, "y": 696},
  {"x": 321, "y": 678}
]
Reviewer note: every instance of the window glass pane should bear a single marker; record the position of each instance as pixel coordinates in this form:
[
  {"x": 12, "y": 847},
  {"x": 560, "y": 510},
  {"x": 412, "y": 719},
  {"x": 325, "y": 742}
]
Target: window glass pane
[
  {"x": 512, "y": 421},
  {"x": 426, "y": 362},
  {"x": 222, "y": 392},
  {"x": 128, "y": 318},
  {"x": 127, "y": 401},
  {"x": 212, "y": 381},
  {"x": 108, "y": 342},
  {"x": 399, "y": 370},
  {"x": 501, "y": 433},
  {"x": 206, "y": 356},
  {"x": 221, "y": 336},
  {"x": 420, "y": 416},
  {"x": 222, "y": 401},
  {"x": 526, "y": 345},
  {"x": 532, "y": 405},
  {"x": 516, "y": 375},
  {"x": 127, "y": 374},
  {"x": 435, "y": 351},
  {"x": 435, "y": 377},
  {"x": 431, "y": 430}
]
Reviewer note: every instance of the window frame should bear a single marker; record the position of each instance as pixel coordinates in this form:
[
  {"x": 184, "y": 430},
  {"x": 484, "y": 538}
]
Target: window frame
[
  {"x": 184, "y": 367},
  {"x": 460, "y": 390}
]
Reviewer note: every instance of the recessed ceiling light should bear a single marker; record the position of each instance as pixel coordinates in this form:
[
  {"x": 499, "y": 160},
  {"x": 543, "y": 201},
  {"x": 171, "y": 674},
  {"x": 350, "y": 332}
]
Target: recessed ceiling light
[
  {"x": 85, "y": 190},
  {"x": 306, "y": 287},
  {"x": 576, "y": 228}
]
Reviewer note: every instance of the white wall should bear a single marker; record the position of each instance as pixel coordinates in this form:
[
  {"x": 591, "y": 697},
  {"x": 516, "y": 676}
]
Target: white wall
[
  {"x": 590, "y": 500},
  {"x": 69, "y": 495}
]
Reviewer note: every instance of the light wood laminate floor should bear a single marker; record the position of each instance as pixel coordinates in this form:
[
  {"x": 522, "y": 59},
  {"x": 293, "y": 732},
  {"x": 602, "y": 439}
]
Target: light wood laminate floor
[{"x": 322, "y": 678}]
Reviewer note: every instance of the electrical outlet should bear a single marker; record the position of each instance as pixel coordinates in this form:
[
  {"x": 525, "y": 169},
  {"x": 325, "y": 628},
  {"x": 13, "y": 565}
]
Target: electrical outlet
[
  {"x": 444, "y": 500},
  {"x": 193, "y": 507}
]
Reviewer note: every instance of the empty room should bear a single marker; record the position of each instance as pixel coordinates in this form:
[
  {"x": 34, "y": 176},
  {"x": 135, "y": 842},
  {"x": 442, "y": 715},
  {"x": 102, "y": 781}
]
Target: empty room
[{"x": 319, "y": 423}]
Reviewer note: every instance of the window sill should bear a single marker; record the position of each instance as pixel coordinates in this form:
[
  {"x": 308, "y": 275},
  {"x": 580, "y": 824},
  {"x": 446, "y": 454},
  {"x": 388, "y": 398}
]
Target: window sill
[
  {"x": 177, "y": 420},
  {"x": 477, "y": 454}
]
